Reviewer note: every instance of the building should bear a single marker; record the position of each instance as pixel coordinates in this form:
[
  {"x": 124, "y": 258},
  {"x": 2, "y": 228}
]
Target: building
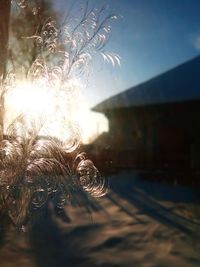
[{"x": 156, "y": 124}]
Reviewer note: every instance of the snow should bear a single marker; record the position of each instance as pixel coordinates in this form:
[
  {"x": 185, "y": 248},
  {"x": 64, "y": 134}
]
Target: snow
[{"x": 139, "y": 223}]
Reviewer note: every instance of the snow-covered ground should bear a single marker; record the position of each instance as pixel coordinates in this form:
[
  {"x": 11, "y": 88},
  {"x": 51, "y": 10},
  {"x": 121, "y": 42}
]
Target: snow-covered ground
[{"x": 139, "y": 223}]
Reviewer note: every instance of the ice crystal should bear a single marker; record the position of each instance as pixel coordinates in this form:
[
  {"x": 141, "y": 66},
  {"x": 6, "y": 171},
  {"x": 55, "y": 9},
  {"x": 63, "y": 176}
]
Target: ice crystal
[{"x": 36, "y": 168}]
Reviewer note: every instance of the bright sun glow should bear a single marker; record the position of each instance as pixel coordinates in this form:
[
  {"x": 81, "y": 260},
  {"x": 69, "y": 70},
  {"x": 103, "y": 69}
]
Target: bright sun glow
[
  {"x": 55, "y": 110},
  {"x": 91, "y": 123},
  {"x": 28, "y": 100}
]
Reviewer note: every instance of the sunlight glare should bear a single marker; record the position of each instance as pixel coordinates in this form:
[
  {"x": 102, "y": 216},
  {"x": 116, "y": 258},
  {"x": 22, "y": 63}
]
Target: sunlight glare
[
  {"x": 58, "y": 111},
  {"x": 92, "y": 124},
  {"x": 29, "y": 100}
]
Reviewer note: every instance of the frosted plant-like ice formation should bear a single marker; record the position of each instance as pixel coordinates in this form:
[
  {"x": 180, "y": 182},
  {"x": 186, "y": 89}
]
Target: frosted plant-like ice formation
[{"x": 40, "y": 159}]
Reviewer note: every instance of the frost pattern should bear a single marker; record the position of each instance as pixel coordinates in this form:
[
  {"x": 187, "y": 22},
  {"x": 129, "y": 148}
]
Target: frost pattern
[{"x": 35, "y": 168}]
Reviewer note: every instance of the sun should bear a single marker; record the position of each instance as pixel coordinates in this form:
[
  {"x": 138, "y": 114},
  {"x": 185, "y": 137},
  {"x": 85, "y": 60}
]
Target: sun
[
  {"x": 56, "y": 110},
  {"x": 33, "y": 101},
  {"x": 29, "y": 100}
]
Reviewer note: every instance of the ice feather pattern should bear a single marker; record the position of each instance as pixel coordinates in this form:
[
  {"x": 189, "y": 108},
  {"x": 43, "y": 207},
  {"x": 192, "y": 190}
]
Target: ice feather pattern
[{"x": 36, "y": 169}]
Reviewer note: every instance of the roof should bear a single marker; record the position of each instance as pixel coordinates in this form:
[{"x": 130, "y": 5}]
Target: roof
[{"x": 179, "y": 84}]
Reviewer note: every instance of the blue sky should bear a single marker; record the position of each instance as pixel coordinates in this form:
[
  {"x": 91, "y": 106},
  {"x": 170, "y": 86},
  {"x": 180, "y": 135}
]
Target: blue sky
[{"x": 151, "y": 36}]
